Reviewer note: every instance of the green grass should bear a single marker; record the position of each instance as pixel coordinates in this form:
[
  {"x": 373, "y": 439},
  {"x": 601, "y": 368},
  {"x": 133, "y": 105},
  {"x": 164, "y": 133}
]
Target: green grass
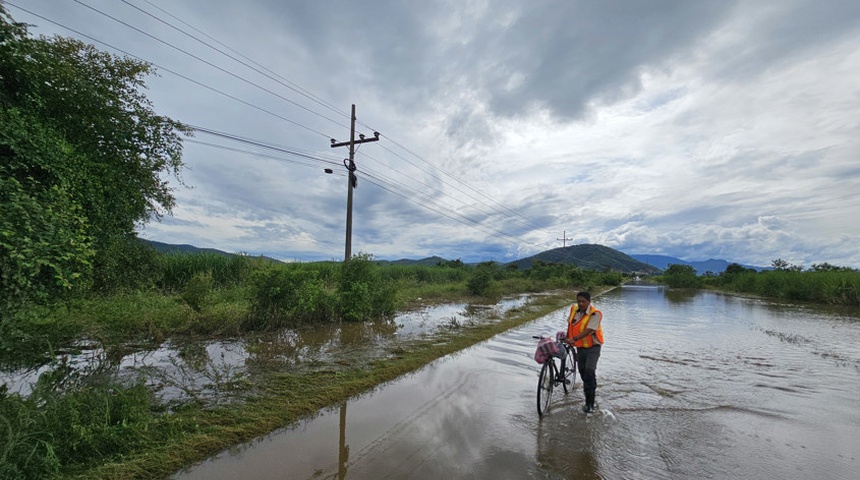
[{"x": 828, "y": 287}]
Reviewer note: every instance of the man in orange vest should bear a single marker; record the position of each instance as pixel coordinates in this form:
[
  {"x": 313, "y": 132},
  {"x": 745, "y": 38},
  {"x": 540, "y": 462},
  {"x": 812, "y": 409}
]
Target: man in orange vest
[{"x": 585, "y": 332}]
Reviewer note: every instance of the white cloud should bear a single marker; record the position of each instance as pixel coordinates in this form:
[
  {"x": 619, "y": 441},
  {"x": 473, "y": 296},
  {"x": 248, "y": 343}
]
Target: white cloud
[{"x": 694, "y": 129}]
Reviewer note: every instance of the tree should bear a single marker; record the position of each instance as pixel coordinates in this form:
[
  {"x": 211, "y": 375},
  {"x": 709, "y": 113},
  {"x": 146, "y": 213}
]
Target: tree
[
  {"x": 82, "y": 158},
  {"x": 681, "y": 276},
  {"x": 780, "y": 264}
]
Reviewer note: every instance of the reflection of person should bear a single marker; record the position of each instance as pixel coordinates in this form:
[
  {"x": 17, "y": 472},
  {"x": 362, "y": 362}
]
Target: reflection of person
[{"x": 585, "y": 332}]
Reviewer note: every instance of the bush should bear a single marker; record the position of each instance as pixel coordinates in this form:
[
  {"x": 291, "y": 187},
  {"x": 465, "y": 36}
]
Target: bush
[
  {"x": 481, "y": 279},
  {"x": 362, "y": 293},
  {"x": 287, "y": 295},
  {"x": 197, "y": 289},
  {"x": 681, "y": 276}
]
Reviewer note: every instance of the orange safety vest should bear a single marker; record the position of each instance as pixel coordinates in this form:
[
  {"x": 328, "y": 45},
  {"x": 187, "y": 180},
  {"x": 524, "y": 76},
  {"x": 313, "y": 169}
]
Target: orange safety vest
[{"x": 574, "y": 329}]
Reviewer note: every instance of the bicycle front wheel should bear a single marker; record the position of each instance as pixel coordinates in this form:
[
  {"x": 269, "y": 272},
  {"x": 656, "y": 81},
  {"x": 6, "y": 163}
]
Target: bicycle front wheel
[
  {"x": 544, "y": 387},
  {"x": 569, "y": 371}
]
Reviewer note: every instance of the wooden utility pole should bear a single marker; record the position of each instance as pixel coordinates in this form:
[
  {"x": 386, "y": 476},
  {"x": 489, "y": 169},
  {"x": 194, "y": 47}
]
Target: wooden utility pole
[
  {"x": 353, "y": 180},
  {"x": 564, "y": 239}
]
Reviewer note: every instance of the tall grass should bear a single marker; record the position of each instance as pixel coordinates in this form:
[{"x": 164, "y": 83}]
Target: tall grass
[
  {"x": 831, "y": 287},
  {"x": 49, "y": 430},
  {"x": 175, "y": 270}
]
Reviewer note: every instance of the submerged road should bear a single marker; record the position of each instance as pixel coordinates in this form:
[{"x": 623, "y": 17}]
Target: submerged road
[{"x": 694, "y": 385}]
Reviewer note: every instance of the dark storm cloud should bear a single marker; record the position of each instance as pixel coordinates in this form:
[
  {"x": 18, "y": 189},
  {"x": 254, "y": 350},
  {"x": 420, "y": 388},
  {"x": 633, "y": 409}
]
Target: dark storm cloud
[
  {"x": 785, "y": 29},
  {"x": 571, "y": 53},
  {"x": 554, "y": 55}
]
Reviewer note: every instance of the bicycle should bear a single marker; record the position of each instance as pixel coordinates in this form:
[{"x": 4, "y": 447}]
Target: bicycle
[{"x": 551, "y": 374}]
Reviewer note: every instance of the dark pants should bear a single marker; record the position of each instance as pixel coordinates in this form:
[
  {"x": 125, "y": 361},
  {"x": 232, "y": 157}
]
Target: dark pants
[{"x": 586, "y": 362}]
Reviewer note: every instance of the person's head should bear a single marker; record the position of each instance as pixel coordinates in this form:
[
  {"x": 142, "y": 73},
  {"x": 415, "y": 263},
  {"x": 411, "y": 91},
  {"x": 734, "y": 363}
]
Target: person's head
[{"x": 583, "y": 300}]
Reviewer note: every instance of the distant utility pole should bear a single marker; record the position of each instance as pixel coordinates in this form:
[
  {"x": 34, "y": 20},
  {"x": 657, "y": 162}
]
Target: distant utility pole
[
  {"x": 352, "y": 178},
  {"x": 564, "y": 239}
]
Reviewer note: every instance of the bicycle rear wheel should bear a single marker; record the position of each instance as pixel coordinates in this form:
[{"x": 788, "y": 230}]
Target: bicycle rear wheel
[{"x": 546, "y": 380}]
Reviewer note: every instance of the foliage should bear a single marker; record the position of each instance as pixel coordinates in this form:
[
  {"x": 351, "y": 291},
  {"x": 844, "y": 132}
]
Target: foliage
[
  {"x": 50, "y": 430},
  {"x": 680, "y": 276},
  {"x": 362, "y": 292},
  {"x": 175, "y": 270},
  {"x": 82, "y": 155},
  {"x": 124, "y": 263},
  {"x": 838, "y": 286},
  {"x": 288, "y": 295},
  {"x": 197, "y": 289},
  {"x": 482, "y": 278},
  {"x": 44, "y": 251}
]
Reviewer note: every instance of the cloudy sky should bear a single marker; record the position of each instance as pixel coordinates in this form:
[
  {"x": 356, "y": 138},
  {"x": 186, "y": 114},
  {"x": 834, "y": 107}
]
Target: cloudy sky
[{"x": 696, "y": 129}]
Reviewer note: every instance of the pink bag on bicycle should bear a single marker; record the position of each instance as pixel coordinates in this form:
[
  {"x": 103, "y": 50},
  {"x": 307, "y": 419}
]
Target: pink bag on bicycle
[{"x": 546, "y": 347}]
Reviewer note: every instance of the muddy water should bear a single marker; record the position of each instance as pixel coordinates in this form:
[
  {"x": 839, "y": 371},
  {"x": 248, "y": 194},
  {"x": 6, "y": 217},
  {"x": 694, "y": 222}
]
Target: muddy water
[{"x": 693, "y": 385}]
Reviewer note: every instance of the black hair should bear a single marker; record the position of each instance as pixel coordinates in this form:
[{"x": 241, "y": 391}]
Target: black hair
[{"x": 584, "y": 295}]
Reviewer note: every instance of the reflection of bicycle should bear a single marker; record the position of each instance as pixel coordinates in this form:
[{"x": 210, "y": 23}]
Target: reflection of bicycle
[{"x": 552, "y": 374}]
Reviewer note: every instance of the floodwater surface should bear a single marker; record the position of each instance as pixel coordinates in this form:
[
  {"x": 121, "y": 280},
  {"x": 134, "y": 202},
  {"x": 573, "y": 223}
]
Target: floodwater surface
[{"x": 691, "y": 385}]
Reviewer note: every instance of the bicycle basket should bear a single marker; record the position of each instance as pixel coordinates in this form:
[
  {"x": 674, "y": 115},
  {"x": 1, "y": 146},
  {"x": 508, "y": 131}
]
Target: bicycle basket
[{"x": 546, "y": 347}]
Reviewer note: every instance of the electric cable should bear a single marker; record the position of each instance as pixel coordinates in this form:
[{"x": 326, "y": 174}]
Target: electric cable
[
  {"x": 168, "y": 70},
  {"x": 272, "y": 76},
  {"x": 199, "y": 59}
]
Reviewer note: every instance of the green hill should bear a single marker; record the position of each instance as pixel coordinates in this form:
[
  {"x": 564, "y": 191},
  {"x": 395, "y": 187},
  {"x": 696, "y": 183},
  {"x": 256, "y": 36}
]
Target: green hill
[
  {"x": 591, "y": 257},
  {"x": 184, "y": 248}
]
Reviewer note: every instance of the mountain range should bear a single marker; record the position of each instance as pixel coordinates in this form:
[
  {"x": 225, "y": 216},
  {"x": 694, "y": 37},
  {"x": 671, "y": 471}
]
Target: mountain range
[
  {"x": 588, "y": 256},
  {"x": 711, "y": 265}
]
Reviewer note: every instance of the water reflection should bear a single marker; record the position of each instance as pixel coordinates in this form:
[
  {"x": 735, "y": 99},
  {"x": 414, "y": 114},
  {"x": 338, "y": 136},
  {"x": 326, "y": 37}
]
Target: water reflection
[
  {"x": 680, "y": 296},
  {"x": 566, "y": 448},
  {"x": 343, "y": 448},
  {"x": 182, "y": 369}
]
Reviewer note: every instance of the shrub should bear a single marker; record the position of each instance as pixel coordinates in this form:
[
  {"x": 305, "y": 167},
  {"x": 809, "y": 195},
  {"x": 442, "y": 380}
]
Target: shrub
[
  {"x": 681, "y": 276},
  {"x": 287, "y": 295},
  {"x": 362, "y": 293},
  {"x": 481, "y": 279},
  {"x": 197, "y": 289}
]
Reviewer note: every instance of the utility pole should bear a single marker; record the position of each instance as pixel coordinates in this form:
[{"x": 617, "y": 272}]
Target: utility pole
[
  {"x": 353, "y": 180},
  {"x": 564, "y": 239}
]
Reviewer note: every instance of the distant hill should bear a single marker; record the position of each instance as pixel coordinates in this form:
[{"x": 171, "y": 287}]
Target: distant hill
[
  {"x": 591, "y": 257},
  {"x": 184, "y": 248},
  {"x": 191, "y": 249},
  {"x": 427, "y": 262},
  {"x": 710, "y": 265}
]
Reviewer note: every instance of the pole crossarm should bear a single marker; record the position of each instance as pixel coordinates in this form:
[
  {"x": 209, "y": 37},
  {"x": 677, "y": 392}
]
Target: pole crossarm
[{"x": 361, "y": 139}]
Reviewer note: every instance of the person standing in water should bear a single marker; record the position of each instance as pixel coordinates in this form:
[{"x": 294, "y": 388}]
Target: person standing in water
[{"x": 585, "y": 332}]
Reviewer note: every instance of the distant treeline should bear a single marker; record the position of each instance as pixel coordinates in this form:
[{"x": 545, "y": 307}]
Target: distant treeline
[{"x": 823, "y": 283}]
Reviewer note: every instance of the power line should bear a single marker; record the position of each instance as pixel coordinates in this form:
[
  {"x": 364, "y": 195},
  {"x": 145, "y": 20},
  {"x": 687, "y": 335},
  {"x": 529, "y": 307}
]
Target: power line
[
  {"x": 442, "y": 192},
  {"x": 261, "y": 70},
  {"x": 173, "y": 72},
  {"x": 260, "y": 143},
  {"x": 372, "y": 177},
  {"x": 292, "y": 85},
  {"x": 510, "y": 212},
  {"x": 239, "y": 77}
]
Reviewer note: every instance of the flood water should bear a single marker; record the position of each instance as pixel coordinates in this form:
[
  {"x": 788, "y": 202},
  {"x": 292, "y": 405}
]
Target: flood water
[{"x": 691, "y": 385}]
